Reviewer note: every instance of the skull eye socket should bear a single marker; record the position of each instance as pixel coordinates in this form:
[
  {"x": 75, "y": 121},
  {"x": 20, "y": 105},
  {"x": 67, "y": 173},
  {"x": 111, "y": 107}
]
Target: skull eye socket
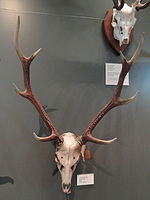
[
  {"x": 72, "y": 167},
  {"x": 61, "y": 167}
]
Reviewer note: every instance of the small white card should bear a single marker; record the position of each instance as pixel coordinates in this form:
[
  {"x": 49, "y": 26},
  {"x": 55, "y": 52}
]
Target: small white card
[
  {"x": 112, "y": 71},
  {"x": 85, "y": 179}
]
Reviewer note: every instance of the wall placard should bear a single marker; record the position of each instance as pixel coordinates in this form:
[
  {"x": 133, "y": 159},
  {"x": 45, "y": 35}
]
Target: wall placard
[
  {"x": 112, "y": 71},
  {"x": 85, "y": 179}
]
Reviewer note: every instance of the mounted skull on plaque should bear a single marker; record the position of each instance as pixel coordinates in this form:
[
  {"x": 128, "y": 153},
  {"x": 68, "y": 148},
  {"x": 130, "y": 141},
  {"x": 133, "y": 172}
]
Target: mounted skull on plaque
[
  {"x": 119, "y": 23},
  {"x": 69, "y": 146}
]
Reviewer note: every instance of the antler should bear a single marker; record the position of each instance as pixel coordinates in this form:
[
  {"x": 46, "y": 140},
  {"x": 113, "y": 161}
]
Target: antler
[
  {"x": 115, "y": 101},
  {"x": 119, "y": 4},
  {"x": 138, "y": 5},
  {"x": 28, "y": 94}
]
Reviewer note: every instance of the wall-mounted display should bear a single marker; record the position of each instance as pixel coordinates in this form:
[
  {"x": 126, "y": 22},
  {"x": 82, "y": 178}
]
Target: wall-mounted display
[
  {"x": 119, "y": 23},
  {"x": 69, "y": 146}
]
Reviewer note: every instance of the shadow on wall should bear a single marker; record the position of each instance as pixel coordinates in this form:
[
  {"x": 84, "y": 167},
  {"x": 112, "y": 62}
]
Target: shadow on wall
[{"x": 6, "y": 179}]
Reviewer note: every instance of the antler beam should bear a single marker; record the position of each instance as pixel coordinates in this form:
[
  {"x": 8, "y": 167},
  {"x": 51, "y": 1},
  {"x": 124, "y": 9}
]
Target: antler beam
[
  {"x": 28, "y": 94},
  {"x": 116, "y": 99}
]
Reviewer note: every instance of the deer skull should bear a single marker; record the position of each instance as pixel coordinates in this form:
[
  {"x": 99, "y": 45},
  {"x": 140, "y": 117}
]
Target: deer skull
[
  {"x": 67, "y": 156},
  {"x": 69, "y": 149},
  {"x": 123, "y": 19},
  {"x": 122, "y": 22}
]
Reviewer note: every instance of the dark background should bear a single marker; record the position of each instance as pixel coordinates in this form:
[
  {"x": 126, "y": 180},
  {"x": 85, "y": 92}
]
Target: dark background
[{"x": 68, "y": 77}]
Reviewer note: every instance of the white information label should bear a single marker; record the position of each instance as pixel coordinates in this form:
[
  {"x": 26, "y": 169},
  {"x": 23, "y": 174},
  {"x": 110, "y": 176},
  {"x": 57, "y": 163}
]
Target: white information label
[
  {"x": 112, "y": 71},
  {"x": 85, "y": 179}
]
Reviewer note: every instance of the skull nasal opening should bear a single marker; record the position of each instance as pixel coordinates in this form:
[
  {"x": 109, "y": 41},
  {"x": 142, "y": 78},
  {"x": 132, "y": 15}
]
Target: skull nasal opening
[
  {"x": 66, "y": 188},
  {"x": 126, "y": 41}
]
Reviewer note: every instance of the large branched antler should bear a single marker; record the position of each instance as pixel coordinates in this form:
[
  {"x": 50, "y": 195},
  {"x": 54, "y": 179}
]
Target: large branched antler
[
  {"x": 116, "y": 99},
  {"x": 138, "y": 5},
  {"x": 28, "y": 94}
]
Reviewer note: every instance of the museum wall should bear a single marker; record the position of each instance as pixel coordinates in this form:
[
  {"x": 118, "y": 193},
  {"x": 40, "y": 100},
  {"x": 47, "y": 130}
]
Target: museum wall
[{"x": 68, "y": 77}]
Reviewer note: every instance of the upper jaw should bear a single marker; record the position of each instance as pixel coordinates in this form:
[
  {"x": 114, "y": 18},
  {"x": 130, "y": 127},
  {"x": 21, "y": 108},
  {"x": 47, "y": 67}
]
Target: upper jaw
[{"x": 66, "y": 188}]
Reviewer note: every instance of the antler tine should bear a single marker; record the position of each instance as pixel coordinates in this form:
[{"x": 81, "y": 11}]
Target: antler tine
[
  {"x": 115, "y": 101},
  {"x": 126, "y": 68},
  {"x": 137, "y": 52},
  {"x": 138, "y": 5},
  {"x": 118, "y": 5},
  {"x": 27, "y": 93},
  {"x": 18, "y": 50}
]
